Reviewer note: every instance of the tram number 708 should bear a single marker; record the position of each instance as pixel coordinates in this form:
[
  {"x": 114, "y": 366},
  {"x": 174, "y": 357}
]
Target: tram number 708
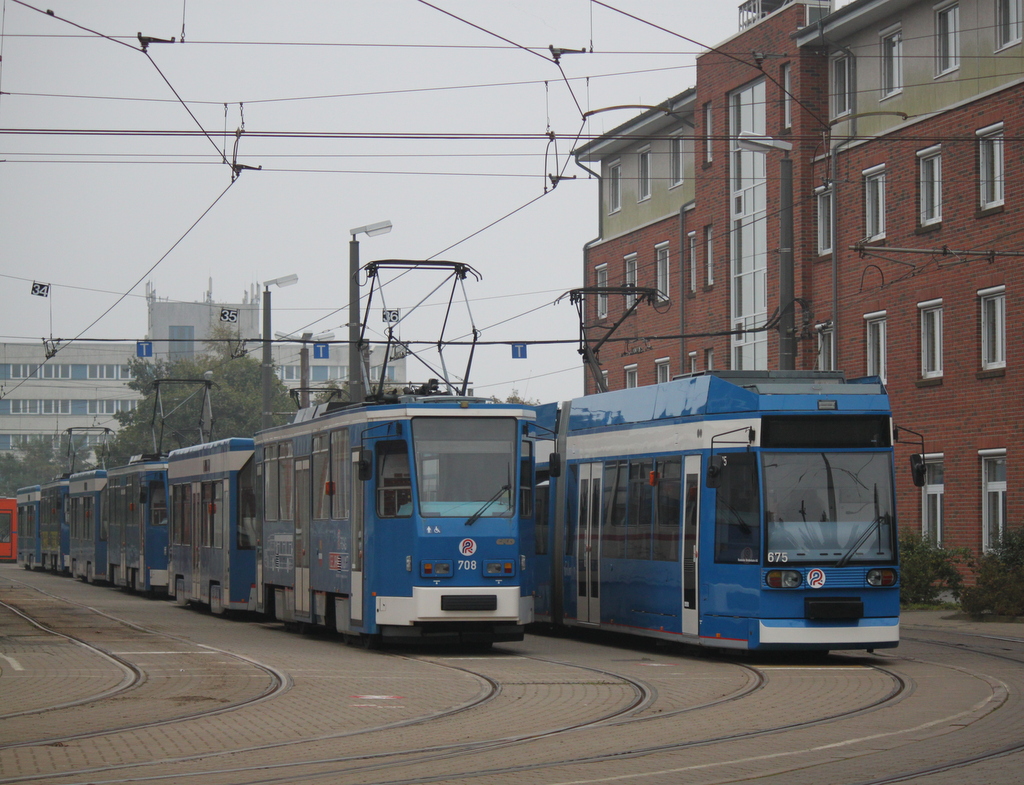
[
  {"x": 467, "y": 564},
  {"x": 776, "y": 556}
]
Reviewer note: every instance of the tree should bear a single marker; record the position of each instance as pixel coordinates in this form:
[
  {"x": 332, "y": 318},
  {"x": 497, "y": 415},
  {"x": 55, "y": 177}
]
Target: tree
[
  {"x": 235, "y": 396},
  {"x": 36, "y": 463}
]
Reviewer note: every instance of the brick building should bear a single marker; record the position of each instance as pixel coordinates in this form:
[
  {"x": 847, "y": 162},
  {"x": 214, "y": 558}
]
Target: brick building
[{"x": 893, "y": 128}]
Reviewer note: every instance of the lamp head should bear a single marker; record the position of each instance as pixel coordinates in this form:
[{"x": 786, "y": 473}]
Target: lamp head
[{"x": 372, "y": 230}]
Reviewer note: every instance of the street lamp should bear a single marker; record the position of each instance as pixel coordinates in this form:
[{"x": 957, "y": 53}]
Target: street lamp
[
  {"x": 268, "y": 360},
  {"x": 758, "y": 143},
  {"x": 356, "y": 390},
  {"x": 305, "y": 339}
]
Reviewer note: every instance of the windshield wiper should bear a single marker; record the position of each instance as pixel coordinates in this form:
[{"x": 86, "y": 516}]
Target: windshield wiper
[
  {"x": 483, "y": 508},
  {"x": 875, "y": 524}
]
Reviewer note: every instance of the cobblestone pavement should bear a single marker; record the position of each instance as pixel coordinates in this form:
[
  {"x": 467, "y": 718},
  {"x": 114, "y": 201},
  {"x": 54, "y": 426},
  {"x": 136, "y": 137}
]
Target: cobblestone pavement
[{"x": 145, "y": 690}]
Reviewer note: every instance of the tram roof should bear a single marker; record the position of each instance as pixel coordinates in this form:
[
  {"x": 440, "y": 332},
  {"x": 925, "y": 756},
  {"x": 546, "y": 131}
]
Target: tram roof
[{"x": 729, "y": 392}]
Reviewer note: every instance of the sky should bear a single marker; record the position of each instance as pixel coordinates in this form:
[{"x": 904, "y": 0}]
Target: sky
[{"x": 436, "y": 116}]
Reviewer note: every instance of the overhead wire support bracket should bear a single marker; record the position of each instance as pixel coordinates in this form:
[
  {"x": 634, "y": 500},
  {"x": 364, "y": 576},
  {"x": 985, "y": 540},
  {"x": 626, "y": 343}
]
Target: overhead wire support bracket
[{"x": 146, "y": 40}]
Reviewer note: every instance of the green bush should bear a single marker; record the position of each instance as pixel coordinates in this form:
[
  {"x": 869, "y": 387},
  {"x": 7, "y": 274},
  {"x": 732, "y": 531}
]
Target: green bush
[
  {"x": 927, "y": 571},
  {"x": 999, "y": 575}
]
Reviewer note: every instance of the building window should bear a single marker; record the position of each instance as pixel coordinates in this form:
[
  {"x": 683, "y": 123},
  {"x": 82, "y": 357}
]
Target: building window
[
  {"x": 602, "y": 283},
  {"x": 1008, "y": 22},
  {"x": 892, "y": 62},
  {"x": 842, "y": 86},
  {"x": 929, "y": 163},
  {"x": 826, "y": 348},
  {"x": 707, "y": 132},
  {"x": 932, "y": 497},
  {"x": 824, "y": 201},
  {"x": 990, "y": 165},
  {"x": 289, "y": 373},
  {"x": 931, "y": 338},
  {"x": 787, "y": 96},
  {"x": 631, "y": 376},
  {"x": 709, "y": 256},
  {"x": 874, "y": 203},
  {"x": 661, "y": 262},
  {"x": 661, "y": 369},
  {"x": 104, "y": 372},
  {"x": 947, "y": 39},
  {"x": 677, "y": 159},
  {"x": 614, "y": 187},
  {"x": 693, "y": 362},
  {"x": 692, "y": 245},
  {"x": 643, "y": 175},
  {"x": 993, "y": 327},
  {"x": 630, "y": 277},
  {"x": 993, "y": 494},
  {"x": 709, "y": 359},
  {"x": 875, "y": 324}
]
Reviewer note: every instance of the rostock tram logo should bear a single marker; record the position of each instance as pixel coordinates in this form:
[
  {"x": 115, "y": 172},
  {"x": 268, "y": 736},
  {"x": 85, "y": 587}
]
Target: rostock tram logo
[
  {"x": 816, "y": 578},
  {"x": 467, "y": 547}
]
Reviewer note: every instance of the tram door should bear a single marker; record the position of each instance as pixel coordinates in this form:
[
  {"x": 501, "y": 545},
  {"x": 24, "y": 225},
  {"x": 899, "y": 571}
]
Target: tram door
[
  {"x": 588, "y": 544},
  {"x": 302, "y": 505},
  {"x": 691, "y": 526},
  {"x": 200, "y": 513},
  {"x": 357, "y": 513}
]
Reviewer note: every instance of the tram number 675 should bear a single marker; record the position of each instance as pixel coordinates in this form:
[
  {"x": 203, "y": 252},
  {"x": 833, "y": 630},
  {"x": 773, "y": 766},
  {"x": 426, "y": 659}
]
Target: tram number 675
[
  {"x": 777, "y": 557},
  {"x": 467, "y": 564}
]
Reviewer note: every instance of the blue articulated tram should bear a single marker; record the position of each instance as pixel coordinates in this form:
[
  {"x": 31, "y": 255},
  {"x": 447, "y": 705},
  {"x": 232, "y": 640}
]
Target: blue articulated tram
[
  {"x": 744, "y": 510},
  {"x": 54, "y": 525},
  {"x": 213, "y": 525},
  {"x": 399, "y": 521},
  {"x": 135, "y": 507},
  {"x": 29, "y": 542},
  {"x": 88, "y": 526}
]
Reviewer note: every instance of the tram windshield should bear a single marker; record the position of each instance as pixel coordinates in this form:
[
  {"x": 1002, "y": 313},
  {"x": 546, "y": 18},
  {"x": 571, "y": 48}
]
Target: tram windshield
[
  {"x": 466, "y": 466},
  {"x": 832, "y": 507}
]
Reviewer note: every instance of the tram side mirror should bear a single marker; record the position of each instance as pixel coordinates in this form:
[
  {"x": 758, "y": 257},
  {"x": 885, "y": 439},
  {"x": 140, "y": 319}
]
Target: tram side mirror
[
  {"x": 917, "y": 469},
  {"x": 555, "y": 465},
  {"x": 365, "y": 465},
  {"x": 715, "y": 467}
]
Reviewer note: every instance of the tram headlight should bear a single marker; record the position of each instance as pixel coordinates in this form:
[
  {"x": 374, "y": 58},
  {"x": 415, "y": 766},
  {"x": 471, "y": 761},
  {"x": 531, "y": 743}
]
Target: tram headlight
[
  {"x": 783, "y": 579},
  {"x": 499, "y": 569},
  {"x": 882, "y": 577},
  {"x": 436, "y": 569}
]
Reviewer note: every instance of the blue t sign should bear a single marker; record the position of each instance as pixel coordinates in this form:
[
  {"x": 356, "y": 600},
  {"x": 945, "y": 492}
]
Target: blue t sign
[
  {"x": 321, "y": 351},
  {"x": 519, "y": 351},
  {"x": 143, "y": 348}
]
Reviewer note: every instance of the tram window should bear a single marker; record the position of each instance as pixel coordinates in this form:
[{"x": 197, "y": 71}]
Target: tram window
[
  {"x": 286, "y": 465},
  {"x": 613, "y": 538},
  {"x": 270, "y": 498},
  {"x": 220, "y": 513},
  {"x": 182, "y": 519},
  {"x": 666, "y": 509},
  {"x": 341, "y": 471},
  {"x": 394, "y": 484},
  {"x": 638, "y": 535},
  {"x": 5, "y": 527},
  {"x": 526, "y": 480},
  {"x": 157, "y": 503},
  {"x": 570, "y": 520},
  {"x": 541, "y": 521},
  {"x": 246, "y": 538},
  {"x": 321, "y": 478},
  {"x": 737, "y": 525}
]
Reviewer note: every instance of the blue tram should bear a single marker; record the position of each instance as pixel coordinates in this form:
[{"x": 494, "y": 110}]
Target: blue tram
[
  {"x": 54, "y": 529},
  {"x": 134, "y": 506},
  {"x": 29, "y": 543},
  {"x": 213, "y": 525},
  {"x": 88, "y": 540},
  {"x": 398, "y": 521},
  {"x": 736, "y": 509}
]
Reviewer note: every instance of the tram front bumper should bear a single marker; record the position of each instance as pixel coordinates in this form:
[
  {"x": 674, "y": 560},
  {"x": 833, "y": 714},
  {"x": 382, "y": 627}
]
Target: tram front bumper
[
  {"x": 451, "y": 603},
  {"x": 881, "y": 632}
]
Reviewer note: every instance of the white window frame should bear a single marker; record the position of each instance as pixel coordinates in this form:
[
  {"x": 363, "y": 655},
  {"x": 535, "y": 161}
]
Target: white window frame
[
  {"x": 892, "y": 61},
  {"x": 601, "y": 275},
  {"x": 709, "y": 359},
  {"x": 947, "y": 38},
  {"x": 841, "y": 82},
  {"x": 631, "y": 377},
  {"x": 993, "y": 327},
  {"x": 874, "y": 202},
  {"x": 662, "y": 370},
  {"x": 614, "y": 186},
  {"x": 694, "y": 265},
  {"x": 662, "y": 270},
  {"x": 787, "y": 95},
  {"x": 929, "y": 181},
  {"x": 933, "y": 499},
  {"x": 693, "y": 361},
  {"x": 826, "y": 347},
  {"x": 993, "y": 498},
  {"x": 709, "y": 254},
  {"x": 1008, "y": 23},
  {"x": 629, "y": 264},
  {"x": 643, "y": 175},
  {"x": 875, "y": 328},
  {"x": 708, "y": 126},
  {"x": 991, "y": 166},
  {"x": 823, "y": 198},
  {"x": 677, "y": 160},
  {"x": 931, "y": 338}
]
